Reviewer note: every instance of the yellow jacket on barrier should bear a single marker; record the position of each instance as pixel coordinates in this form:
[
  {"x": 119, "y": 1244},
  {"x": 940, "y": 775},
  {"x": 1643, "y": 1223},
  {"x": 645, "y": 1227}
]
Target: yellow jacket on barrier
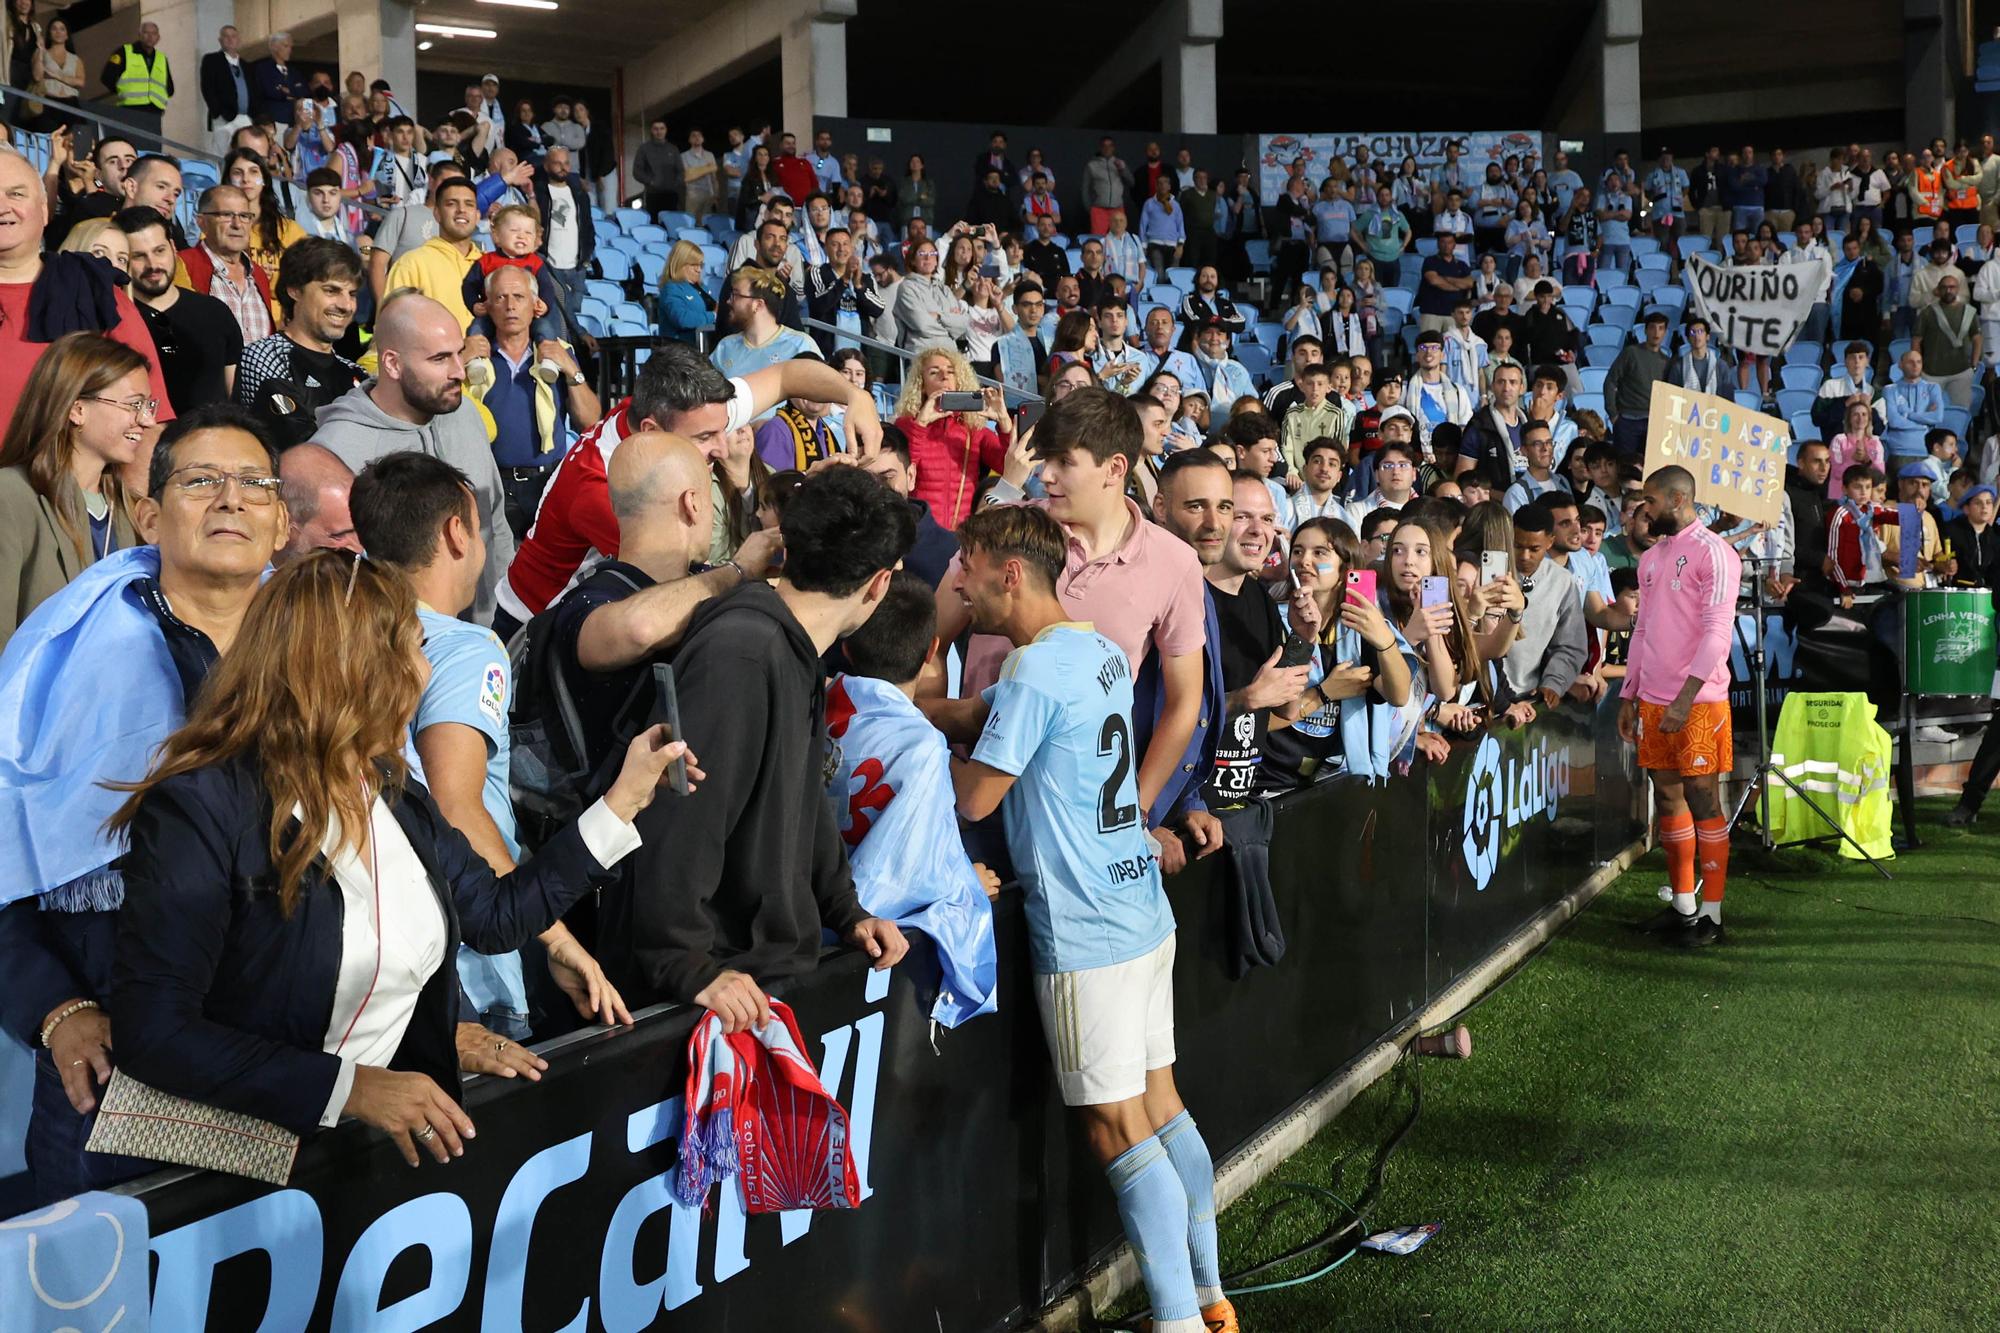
[{"x": 1831, "y": 748}]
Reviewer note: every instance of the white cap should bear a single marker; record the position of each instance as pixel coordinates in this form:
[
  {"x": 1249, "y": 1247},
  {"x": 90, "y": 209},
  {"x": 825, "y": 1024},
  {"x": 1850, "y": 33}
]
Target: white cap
[{"x": 489, "y": 78}]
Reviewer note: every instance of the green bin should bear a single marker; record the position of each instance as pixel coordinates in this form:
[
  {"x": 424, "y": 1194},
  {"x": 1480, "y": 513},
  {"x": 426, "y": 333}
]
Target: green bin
[{"x": 1948, "y": 641}]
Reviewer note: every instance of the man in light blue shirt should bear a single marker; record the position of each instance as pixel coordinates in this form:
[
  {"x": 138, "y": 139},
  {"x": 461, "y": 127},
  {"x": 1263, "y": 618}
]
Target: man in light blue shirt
[
  {"x": 1159, "y": 353},
  {"x": 1614, "y": 222},
  {"x": 1913, "y": 406},
  {"x": 1333, "y": 223},
  {"x": 1054, "y": 754},
  {"x": 1564, "y": 181},
  {"x": 1224, "y": 380},
  {"x": 1163, "y": 228},
  {"x": 417, "y": 513}
]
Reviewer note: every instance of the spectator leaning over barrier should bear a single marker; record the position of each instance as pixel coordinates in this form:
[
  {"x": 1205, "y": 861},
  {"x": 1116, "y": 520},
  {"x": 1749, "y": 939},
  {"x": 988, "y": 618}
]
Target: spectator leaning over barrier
[
  {"x": 678, "y": 391},
  {"x": 1549, "y": 654},
  {"x": 163, "y": 612},
  {"x": 307, "y": 789},
  {"x": 1101, "y": 935},
  {"x": 417, "y": 515},
  {"x": 315, "y": 486},
  {"x": 737, "y": 881},
  {"x": 417, "y": 401},
  {"x": 1675, "y": 704}
]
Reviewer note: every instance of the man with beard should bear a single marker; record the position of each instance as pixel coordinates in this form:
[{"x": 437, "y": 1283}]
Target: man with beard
[
  {"x": 437, "y": 268},
  {"x": 287, "y": 377},
  {"x": 417, "y": 401},
  {"x": 1676, "y": 700},
  {"x": 197, "y": 339}
]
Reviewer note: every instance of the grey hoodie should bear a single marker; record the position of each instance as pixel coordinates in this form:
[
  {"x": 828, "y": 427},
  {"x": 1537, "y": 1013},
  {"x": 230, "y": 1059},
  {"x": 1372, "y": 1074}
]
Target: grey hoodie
[{"x": 360, "y": 432}]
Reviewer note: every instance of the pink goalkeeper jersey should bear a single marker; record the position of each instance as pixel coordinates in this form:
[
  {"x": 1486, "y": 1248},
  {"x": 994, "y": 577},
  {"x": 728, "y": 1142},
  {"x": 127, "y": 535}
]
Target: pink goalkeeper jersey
[{"x": 1687, "y": 612}]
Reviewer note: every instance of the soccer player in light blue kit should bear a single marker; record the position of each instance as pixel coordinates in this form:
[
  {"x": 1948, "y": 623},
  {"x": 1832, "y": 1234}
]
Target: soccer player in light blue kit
[{"x": 1054, "y": 754}]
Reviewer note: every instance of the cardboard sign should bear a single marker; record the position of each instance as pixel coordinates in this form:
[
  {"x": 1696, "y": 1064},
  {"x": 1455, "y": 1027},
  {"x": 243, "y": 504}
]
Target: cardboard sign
[{"x": 1737, "y": 456}]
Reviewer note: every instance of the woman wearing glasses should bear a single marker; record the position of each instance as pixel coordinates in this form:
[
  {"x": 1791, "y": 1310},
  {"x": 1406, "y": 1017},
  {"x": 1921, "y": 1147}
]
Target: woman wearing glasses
[{"x": 84, "y": 415}]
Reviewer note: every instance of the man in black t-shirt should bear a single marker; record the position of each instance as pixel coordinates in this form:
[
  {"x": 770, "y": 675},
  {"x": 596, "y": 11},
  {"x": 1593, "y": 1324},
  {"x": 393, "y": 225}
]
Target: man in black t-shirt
[
  {"x": 197, "y": 339},
  {"x": 1260, "y": 693},
  {"x": 287, "y": 377},
  {"x": 631, "y": 611}
]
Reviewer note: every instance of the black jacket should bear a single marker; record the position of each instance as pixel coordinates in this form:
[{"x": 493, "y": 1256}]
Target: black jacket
[
  {"x": 586, "y": 230},
  {"x": 1197, "y": 311},
  {"x": 745, "y": 871},
  {"x": 1978, "y": 554},
  {"x": 936, "y": 544},
  {"x": 994, "y": 206},
  {"x": 1810, "y": 508},
  {"x": 223, "y": 1000},
  {"x": 218, "y": 89}
]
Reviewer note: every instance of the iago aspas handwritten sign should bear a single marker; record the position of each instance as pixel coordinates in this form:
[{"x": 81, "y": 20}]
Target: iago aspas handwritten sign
[{"x": 1737, "y": 456}]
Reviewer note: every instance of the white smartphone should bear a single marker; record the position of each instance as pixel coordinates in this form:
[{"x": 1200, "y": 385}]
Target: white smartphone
[{"x": 1493, "y": 565}]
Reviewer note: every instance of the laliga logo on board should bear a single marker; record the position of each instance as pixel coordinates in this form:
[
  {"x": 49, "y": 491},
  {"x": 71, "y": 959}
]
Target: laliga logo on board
[{"x": 1503, "y": 794}]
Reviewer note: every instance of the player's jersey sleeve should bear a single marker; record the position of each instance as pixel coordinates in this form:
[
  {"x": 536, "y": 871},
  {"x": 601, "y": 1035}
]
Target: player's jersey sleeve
[
  {"x": 469, "y": 685},
  {"x": 1019, "y": 718}
]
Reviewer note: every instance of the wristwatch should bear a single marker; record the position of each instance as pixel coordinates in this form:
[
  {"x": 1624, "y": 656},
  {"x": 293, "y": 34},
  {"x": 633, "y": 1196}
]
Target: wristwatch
[
  {"x": 576, "y": 378},
  {"x": 1514, "y": 617}
]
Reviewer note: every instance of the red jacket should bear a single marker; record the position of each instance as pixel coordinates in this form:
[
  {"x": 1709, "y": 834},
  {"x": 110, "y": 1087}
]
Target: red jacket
[
  {"x": 796, "y": 177},
  {"x": 950, "y": 462},
  {"x": 201, "y": 272}
]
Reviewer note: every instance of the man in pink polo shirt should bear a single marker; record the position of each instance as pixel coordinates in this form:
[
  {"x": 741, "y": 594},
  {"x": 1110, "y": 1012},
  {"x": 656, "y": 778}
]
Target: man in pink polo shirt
[
  {"x": 1676, "y": 699},
  {"x": 1139, "y": 585}
]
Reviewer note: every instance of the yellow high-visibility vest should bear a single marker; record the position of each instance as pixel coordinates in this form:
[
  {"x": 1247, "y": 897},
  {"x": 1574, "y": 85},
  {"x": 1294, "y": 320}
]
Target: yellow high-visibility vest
[{"x": 140, "y": 86}]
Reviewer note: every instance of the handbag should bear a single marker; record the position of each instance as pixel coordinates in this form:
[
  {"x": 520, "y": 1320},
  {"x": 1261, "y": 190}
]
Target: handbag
[{"x": 135, "y": 1119}]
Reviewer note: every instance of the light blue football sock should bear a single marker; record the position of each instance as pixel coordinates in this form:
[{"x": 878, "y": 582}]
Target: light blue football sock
[
  {"x": 1196, "y": 1169},
  {"x": 1154, "y": 1209}
]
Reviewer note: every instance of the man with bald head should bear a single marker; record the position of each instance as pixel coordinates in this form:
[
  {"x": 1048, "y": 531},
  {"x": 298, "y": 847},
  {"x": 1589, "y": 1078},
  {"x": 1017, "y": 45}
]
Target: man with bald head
[
  {"x": 417, "y": 401},
  {"x": 315, "y": 491},
  {"x": 635, "y": 607},
  {"x": 569, "y": 239},
  {"x": 531, "y": 415},
  {"x": 77, "y": 290}
]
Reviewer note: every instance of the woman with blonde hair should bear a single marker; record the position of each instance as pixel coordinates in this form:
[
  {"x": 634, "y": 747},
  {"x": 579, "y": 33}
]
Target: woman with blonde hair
[
  {"x": 952, "y": 450},
  {"x": 293, "y": 897},
  {"x": 85, "y": 414},
  {"x": 685, "y": 308},
  {"x": 100, "y": 237}
]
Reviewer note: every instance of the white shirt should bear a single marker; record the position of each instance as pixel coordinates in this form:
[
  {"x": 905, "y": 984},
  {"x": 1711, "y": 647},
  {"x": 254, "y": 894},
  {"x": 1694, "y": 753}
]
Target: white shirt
[
  {"x": 561, "y": 221},
  {"x": 393, "y": 935}
]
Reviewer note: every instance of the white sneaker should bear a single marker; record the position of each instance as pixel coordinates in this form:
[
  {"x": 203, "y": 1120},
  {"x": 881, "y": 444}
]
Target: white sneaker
[{"x": 1934, "y": 735}]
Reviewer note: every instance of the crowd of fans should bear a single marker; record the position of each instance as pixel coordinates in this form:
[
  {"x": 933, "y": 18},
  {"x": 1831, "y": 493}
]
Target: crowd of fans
[{"x": 1327, "y": 544}]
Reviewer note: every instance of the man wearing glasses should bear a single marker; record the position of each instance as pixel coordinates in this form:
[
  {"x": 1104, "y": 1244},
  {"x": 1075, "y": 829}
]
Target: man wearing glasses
[
  {"x": 164, "y": 612},
  {"x": 220, "y": 265}
]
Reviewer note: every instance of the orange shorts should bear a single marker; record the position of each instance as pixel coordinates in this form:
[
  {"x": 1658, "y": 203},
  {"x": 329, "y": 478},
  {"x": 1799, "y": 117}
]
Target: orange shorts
[{"x": 1702, "y": 748}]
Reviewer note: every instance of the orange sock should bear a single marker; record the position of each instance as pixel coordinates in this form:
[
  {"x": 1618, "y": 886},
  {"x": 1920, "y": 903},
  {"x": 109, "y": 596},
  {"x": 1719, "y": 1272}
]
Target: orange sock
[
  {"x": 1677, "y": 837},
  {"x": 1712, "y": 841}
]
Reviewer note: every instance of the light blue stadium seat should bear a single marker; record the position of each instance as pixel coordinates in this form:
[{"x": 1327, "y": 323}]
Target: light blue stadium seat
[
  {"x": 1671, "y": 299},
  {"x": 1802, "y": 429},
  {"x": 631, "y": 312},
  {"x": 629, "y": 218},
  {"x": 1805, "y": 354},
  {"x": 1587, "y": 402},
  {"x": 604, "y": 290},
  {"x": 1269, "y": 334},
  {"x": 1797, "y": 376},
  {"x": 652, "y": 263},
  {"x": 1600, "y": 356},
  {"x": 1592, "y": 378},
  {"x": 631, "y": 328},
  {"x": 1400, "y": 299},
  {"x": 1426, "y": 246},
  {"x": 1256, "y": 359},
  {"x": 673, "y": 220},
  {"x": 1749, "y": 398},
  {"x": 1646, "y": 281},
  {"x": 714, "y": 259},
  {"x": 615, "y": 264},
  {"x": 591, "y": 324},
  {"x": 694, "y": 235},
  {"x": 596, "y": 307},
  {"x": 1897, "y": 348},
  {"x": 1958, "y": 419},
  {"x": 1181, "y": 276},
  {"x": 1693, "y": 245},
  {"x": 1605, "y": 335},
  {"x": 1259, "y": 251},
  {"x": 1644, "y": 247},
  {"x": 719, "y": 222},
  {"x": 1792, "y": 402},
  {"x": 647, "y": 234},
  {"x": 1967, "y": 233}
]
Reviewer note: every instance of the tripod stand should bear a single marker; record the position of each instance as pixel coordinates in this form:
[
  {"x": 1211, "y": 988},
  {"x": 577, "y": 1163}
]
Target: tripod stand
[{"x": 1767, "y": 769}]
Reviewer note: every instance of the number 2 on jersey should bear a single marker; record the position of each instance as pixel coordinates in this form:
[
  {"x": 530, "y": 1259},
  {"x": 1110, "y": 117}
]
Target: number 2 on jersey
[{"x": 1115, "y": 738}]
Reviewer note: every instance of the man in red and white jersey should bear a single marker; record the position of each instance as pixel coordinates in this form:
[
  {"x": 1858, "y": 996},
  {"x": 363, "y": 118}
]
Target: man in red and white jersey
[{"x": 678, "y": 391}]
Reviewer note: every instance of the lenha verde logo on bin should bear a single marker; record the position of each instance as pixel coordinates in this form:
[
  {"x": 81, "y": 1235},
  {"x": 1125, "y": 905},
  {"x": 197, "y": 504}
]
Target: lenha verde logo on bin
[{"x": 1503, "y": 793}]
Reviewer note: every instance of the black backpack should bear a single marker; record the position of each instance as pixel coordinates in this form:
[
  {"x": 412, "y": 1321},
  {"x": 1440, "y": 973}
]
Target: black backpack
[{"x": 550, "y": 774}]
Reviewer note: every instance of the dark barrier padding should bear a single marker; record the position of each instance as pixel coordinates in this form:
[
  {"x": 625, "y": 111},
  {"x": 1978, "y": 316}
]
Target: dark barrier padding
[{"x": 981, "y": 1201}]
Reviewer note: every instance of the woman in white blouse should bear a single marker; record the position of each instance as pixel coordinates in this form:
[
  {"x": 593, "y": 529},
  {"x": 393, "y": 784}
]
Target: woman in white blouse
[{"x": 294, "y": 899}]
